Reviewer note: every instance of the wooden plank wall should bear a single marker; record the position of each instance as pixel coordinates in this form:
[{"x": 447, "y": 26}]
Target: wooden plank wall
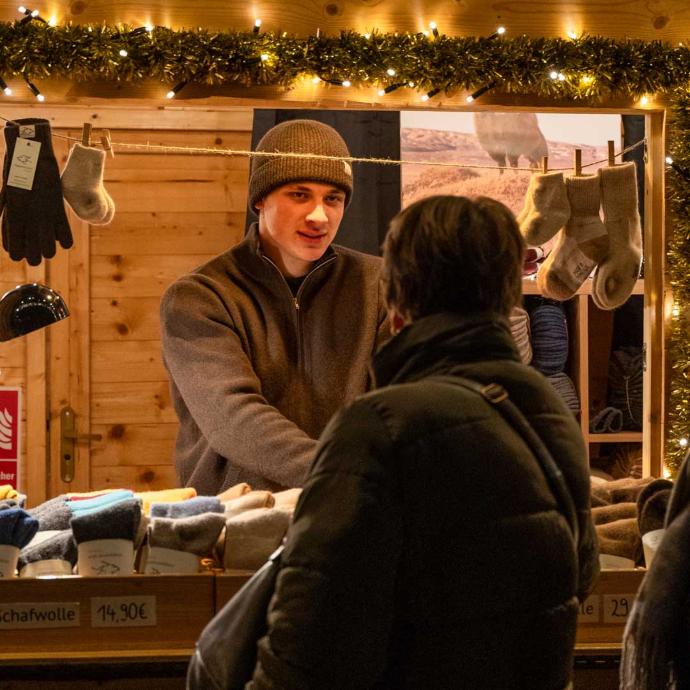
[{"x": 174, "y": 211}]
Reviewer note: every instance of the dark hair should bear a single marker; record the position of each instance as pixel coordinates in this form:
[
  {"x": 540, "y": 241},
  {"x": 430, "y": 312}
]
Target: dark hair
[{"x": 452, "y": 253}]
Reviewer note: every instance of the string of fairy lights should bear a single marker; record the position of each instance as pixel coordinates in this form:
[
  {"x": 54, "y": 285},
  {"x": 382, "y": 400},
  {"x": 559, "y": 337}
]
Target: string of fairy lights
[{"x": 427, "y": 64}]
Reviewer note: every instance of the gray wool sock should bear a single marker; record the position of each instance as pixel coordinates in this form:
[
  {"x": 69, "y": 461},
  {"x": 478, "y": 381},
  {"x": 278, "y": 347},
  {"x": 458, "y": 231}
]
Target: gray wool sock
[
  {"x": 192, "y": 506},
  {"x": 82, "y": 185},
  {"x": 117, "y": 521},
  {"x": 53, "y": 514},
  {"x": 8, "y": 503},
  {"x": 195, "y": 534},
  {"x": 60, "y": 546}
]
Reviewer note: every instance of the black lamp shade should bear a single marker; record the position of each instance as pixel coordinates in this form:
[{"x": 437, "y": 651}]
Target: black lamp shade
[{"x": 29, "y": 307}]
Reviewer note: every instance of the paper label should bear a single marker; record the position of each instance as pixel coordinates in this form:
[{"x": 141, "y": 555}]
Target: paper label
[
  {"x": 105, "y": 557},
  {"x": 589, "y": 610},
  {"x": 123, "y": 612},
  {"x": 617, "y": 607},
  {"x": 27, "y": 131},
  {"x": 57, "y": 614},
  {"x": 23, "y": 165},
  {"x": 53, "y": 567},
  {"x": 8, "y": 560},
  {"x": 160, "y": 561}
]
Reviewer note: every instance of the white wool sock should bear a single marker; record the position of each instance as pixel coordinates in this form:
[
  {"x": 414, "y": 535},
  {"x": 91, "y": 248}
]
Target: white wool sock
[
  {"x": 580, "y": 246},
  {"x": 82, "y": 185},
  {"x": 546, "y": 208},
  {"x": 616, "y": 274},
  {"x": 251, "y": 537}
]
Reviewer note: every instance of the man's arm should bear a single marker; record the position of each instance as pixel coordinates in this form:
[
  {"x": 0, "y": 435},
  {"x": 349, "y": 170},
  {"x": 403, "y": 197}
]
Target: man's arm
[{"x": 216, "y": 380}]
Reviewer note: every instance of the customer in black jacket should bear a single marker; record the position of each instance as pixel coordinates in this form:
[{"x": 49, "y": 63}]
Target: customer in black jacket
[{"x": 427, "y": 549}]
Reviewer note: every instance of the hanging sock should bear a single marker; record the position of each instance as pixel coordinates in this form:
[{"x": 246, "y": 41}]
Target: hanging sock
[
  {"x": 615, "y": 277},
  {"x": 82, "y": 185},
  {"x": 580, "y": 246},
  {"x": 546, "y": 208}
]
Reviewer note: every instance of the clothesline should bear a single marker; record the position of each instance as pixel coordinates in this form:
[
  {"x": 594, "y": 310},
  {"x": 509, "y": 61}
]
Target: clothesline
[{"x": 200, "y": 150}]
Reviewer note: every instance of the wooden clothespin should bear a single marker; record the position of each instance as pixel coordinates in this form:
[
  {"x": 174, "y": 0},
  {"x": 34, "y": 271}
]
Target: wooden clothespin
[
  {"x": 612, "y": 154},
  {"x": 545, "y": 164},
  {"x": 577, "y": 162},
  {"x": 107, "y": 143},
  {"x": 86, "y": 134}
]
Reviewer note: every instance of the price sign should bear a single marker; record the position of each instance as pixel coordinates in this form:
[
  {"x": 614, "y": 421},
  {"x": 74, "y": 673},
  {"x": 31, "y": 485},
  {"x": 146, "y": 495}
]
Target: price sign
[
  {"x": 589, "y": 610},
  {"x": 123, "y": 612},
  {"x": 617, "y": 607}
]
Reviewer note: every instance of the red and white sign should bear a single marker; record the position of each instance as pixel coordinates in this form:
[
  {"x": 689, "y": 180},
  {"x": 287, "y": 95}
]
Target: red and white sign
[{"x": 10, "y": 435}]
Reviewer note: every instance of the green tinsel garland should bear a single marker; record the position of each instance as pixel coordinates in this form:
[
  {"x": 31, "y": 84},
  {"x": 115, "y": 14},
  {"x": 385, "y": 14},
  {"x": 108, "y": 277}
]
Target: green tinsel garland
[
  {"x": 593, "y": 68},
  {"x": 519, "y": 65}
]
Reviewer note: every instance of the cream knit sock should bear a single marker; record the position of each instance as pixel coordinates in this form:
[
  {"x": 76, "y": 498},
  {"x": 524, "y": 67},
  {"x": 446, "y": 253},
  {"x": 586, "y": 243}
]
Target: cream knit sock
[
  {"x": 82, "y": 185},
  {"x": 251, "y": 537},
  {"x": 580, "y": 246},
  {"x": 546, "y": 208},
  {"x": 616, "y": 274}
]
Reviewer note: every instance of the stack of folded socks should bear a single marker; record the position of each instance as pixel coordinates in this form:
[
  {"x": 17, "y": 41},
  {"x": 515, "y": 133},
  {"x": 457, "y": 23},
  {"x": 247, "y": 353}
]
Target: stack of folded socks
[{"x": 549, "y": 337}]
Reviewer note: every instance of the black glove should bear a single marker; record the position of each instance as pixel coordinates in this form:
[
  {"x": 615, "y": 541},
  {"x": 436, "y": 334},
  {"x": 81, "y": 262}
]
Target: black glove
[{"x": 33, "y": 219}]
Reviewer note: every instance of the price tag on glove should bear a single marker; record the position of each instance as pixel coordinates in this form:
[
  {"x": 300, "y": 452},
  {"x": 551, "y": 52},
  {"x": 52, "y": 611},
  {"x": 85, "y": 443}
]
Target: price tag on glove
[{"x": 23, "y": 165}]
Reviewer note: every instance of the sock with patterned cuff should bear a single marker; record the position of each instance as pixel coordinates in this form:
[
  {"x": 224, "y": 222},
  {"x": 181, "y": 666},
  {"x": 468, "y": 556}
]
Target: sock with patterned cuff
[
  {"x": 193, "y": 506},
  {"x": 249, "y": 501},
  {"x": 54, "y": 514},
  {"x": 82, "y": 185},
  {"x": 546, "y": 208},
  {"x": 234, "y": 492},
  {"x": 163, "y": 496},
  {"x": 105, "y": 538},
  {"x": 251, "y": 537},
  {"x": 89, "y": 505},
  {"x": 615, "y": 277},
  {"x": 580, "y": 246},
  {"x": 54, "y": 556},
  {"x": 117, "y": 521}
]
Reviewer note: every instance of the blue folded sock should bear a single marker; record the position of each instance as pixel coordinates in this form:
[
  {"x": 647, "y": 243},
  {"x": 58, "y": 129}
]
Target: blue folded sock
[
  {"x": 88, "y": 505},
  {"x": 17, "y": 527},
  {"x": 188, "y": 508}
]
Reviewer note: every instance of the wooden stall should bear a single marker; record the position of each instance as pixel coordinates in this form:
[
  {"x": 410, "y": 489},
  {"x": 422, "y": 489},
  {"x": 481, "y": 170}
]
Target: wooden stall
[{"x": 175, "y": 209}]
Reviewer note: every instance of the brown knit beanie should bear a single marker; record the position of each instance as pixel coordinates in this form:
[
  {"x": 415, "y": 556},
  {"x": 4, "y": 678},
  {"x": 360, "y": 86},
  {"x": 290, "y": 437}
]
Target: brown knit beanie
[{"x": 299, "y": 136}]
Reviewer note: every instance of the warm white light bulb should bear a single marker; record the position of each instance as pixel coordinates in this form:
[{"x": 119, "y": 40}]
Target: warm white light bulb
[
  {"x": 553, "y": 74},
  {"x": 433, "y": 25},
  {"x": 257, "y": 22},
  {"x": 315, "y": 80},
  {"x": 170, "y": 94},
  {"x": 561, "y": 76},
  {"x": 501, "y": 30},
  {"x": 34, "y": 13},
  {"x": 425, "y": 97},
  {"x": 123, "y": 53},
  {"x": 683, "y": 443},
  {"x": 7, "y": 91},
  {"x": 381, "y": 92},
  {"x": 469, "y": 99},
  {"x": 149, "y": 27},
  {"x": 367, "y": 36},
  {"x": 644, "y": 100},
  {"x": 40, "y": 97},
  {"x": 52, "y": 21},
  {"x": 347, "y": 82},
  {"x": 669, "y": 160},
  {"x": 264, "y": 57},
  {"x": 572, "y": 34},
  {"x": 21, "y": 9},
  {"x": 390, "y": 72}
]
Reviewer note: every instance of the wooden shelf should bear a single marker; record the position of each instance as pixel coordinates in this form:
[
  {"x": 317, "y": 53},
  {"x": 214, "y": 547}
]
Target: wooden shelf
[
  {"x": 620, "y": 437},
  {"x": 529, "y": 287}
]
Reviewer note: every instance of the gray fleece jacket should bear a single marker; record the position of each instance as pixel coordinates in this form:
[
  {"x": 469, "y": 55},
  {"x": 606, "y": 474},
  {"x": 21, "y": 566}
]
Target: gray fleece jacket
[{"x": 255, "y": 372}]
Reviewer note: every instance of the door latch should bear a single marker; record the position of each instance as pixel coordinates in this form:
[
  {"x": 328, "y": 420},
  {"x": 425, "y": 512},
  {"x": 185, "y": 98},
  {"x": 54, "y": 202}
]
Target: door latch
[{"x": 68, "y": 441}]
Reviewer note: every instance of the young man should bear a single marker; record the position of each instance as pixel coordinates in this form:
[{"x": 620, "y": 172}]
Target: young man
[{"x": 266, "y": 341}]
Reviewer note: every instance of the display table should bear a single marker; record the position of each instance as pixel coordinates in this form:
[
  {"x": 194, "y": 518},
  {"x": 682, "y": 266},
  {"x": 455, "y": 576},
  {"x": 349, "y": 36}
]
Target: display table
[{"x": 120, "y": 630}]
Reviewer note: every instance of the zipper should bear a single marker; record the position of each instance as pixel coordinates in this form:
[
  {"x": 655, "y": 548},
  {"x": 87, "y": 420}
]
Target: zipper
[{"x": 295, "y": 301}]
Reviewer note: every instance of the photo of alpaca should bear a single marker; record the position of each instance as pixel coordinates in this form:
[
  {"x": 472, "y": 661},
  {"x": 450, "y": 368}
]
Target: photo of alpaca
[{"x": 501, "y": 145}]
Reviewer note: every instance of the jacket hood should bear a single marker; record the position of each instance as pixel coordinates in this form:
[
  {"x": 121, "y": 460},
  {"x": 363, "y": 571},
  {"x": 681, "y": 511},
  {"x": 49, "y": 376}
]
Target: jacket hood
[{"x": 438, "y": 343}]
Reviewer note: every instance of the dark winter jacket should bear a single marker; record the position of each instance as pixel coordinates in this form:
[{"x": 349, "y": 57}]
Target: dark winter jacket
[
  {"x": 426, "y": 549},
  {"x": 255, "y": 372}
]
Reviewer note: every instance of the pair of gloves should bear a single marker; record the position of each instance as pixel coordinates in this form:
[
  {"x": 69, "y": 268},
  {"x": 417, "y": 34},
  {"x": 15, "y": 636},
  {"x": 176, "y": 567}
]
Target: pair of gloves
[{"x": 34, "y": 220}]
